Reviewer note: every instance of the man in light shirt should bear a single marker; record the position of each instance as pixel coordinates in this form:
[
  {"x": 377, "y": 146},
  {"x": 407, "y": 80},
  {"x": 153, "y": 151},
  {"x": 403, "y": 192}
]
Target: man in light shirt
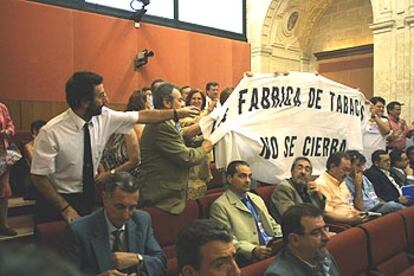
[{"x": 60, "y": 151}]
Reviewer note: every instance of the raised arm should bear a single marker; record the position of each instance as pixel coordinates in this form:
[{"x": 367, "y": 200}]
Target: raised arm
[{"x": 158, "y": 115}]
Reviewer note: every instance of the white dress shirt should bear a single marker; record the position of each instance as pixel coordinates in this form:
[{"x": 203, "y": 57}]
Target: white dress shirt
[{"x": 58, "y": 149}]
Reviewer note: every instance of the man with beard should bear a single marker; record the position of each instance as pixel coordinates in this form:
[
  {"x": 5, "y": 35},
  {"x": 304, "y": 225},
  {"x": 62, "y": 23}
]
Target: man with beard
[
  {"x": 304, "y": 253},
  {"x": 68, "y": 149},
  {"x": 297, "y": 189}
]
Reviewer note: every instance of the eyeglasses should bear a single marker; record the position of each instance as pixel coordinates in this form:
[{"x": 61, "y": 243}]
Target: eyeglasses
[{"x": 317, "y": 233}]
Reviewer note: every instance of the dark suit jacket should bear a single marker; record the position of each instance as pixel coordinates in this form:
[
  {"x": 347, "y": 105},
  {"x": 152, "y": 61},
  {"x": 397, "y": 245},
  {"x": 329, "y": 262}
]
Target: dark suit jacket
[
  {"x": 165, "y": 165},
  {"x": 382, "y": 185},
  {"x": 400, "y": 177},
  {"x": 88, "y": 243}
]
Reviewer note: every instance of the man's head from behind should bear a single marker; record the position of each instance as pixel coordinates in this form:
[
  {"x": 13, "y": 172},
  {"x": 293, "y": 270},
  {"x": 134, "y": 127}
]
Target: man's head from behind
[
  {"x": 301, "y": 170},
  {"x": 35, "y": 127},
  {"x": 339, "y": 165},
  {"x": 84, "y": 90},
  {"x": 381, "y": 159},
  {"x": 120, "y": 197},
  {"x": 410, "y": 153},
  {"x": 167, "y": 96},
  {"x": 238, "y": 176},
  {"x": 204, "y": 248},
  {"x": 305, "y": 232}
]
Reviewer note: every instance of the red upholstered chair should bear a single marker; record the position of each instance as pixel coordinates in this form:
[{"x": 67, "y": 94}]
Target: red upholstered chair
[
  {"x": 51, "y": 234},
  {"x": 387, "y": 242},
  {"x": 257, "y": 269},
  {"x": 408, "y": 217},
  {"x": 350, "y": 250},
  {"x": 205, "y": 203},
  {"x": 167, "y": 226},
  {"x": 265, "y": 192}
]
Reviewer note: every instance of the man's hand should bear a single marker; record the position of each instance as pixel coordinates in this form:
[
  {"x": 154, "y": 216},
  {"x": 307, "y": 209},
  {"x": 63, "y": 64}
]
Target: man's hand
[
  {"x": 102, "y": 177},
  {"x": 261, "y": 252},
  {"x": 207, "y": 146},
  {"x": 312, "y": 186},
  {"x": 404, "y": 200},
  {"x": 112, "y": 272},
  {"x": 124, "y": 260},
  {"x": 188, "y": 111},
  {"x": 70, "y": 214},
  {"x": 358, "y": 176},
  {"x": 211, "y": 105},
  {"x": 358, "y": 218}
]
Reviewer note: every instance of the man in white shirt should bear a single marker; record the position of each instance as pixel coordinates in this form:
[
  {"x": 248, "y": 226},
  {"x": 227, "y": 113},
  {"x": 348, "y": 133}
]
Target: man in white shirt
[
  {"x": 58, "y": 167},
  {"x": 213, "y": 95}
]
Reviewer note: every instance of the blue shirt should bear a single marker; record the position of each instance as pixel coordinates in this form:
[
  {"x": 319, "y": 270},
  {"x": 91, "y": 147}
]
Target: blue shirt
[{"x": 369, "y": 196}]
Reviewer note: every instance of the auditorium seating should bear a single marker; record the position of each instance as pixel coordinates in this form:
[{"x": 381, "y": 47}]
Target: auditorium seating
[
  {"x": 387, "y": 243},
  {"x": 408, "y": 217},
  {"x": 257, "y": 269},
  {"x": 265, "y": 192},
  {"x": 205, "y": 203},
  {"x": 51, "y": 234},
  {"x": 167, "y": 226}
]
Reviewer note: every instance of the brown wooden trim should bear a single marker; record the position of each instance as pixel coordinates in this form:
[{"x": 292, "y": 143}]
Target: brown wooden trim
[{"x": 351, "y": 51}]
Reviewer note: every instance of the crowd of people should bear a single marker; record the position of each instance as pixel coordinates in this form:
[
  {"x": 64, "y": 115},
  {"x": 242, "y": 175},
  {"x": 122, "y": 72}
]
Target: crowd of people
[{"x": 154, "y": 155}]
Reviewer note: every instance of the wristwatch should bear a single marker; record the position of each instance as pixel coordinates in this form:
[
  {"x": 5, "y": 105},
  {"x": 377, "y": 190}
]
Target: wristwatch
[
  {"x": 111, "y": 172},
  {"x": 140, "y": 259}
]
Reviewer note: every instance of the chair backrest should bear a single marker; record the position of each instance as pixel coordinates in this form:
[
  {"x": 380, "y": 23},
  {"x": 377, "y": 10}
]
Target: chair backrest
[
  {"x": 386, "y": 243},
  {"x": 408, "y": 217},
  {"x": 205, "y": 203},
  {"x": 167, "y": 226},
  {"x": 257, "y": 269},
  {"x": 350, "y": 250},
  {"x": 51, "y": 234},
  {"x": 265, "y": 192}
]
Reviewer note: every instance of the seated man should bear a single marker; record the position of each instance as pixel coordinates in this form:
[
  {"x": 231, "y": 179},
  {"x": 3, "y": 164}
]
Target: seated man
[
  {"x": 204, "y": 248},
  {"x": 339, "y": 206},
  {"x": 297, "y": 189},
  {"x": 384, "y": 184},
  {"x": 400, "y": 169},
  {"x": 246, "y": 215},
  {"x": 118, "y": 237},
  {"x": 304, "y": 253},
  {"x": 357, "y": 182}
]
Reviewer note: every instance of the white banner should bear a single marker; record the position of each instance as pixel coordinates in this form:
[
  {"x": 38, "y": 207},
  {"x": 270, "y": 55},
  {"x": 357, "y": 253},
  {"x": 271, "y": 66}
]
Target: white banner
[{"x": 269, "y": 120}]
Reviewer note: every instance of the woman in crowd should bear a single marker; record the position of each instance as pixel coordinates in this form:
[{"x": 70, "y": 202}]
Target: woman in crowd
[
  {"x": 199, "y": 175},
  {"x": 122, "y": 150},
  {"x": 35, "y": 127},
  {"x": 376, "y": 130},
  {"x": 6, "y": 131}
]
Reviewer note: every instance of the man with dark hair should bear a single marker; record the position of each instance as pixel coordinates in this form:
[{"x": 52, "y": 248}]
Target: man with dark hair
[
  {"x": 204, "y": 248},
  {"x": 376, "y": 130},
  {"x": 384, "y": 184},
  {"x": 304, "y": 253},
  {"x": 184, "y": 92},
  {"x": 339, "y": 206},
  {"x": 410, "y": 155},
  {"x": 298, "y": 189},
  {"x": 117, "y": 238},
  {"x": 69, "y": 147},
  {"x": 400, "y": 170},
  {"x": 165, "y": 157},
  {"x": 246, "y": 215},
  {"x": 357, "y": 182},
  {"x": 213, "y": 95},
  {"x": 225, "y": 94},
  {"x": 399, "y": 128}
]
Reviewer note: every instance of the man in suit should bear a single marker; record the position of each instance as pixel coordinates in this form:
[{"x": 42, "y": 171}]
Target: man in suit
[
  {"x": 304, "y": 253},
  {"x": 116, "y": 239},
  {"x": 165, "y": 157},
  {"x": 400, "y": 169},
  {"x": 384, "y": 184},
  {"x": 297, "y": 189},
  {"x": 205, "y": 248},
  {"x": 246, "y": 215}
]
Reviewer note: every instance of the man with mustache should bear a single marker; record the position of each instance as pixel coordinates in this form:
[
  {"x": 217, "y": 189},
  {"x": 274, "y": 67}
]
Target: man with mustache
[
  {"x": 246, "y": 215},
  {"x": 297, "y": 189},
  {"x": 304, "y": 253},
  {"x": 68, "y": 149}
]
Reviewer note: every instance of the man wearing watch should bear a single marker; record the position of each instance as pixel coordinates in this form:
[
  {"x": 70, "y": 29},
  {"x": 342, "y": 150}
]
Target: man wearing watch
[{"x": 116, "y": 240}]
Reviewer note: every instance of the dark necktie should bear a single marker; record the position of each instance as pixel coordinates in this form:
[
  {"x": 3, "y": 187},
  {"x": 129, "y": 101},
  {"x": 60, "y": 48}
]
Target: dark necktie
[
  {"x": 87, "y": 177},
  {"x": 117, "y": 246}
]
